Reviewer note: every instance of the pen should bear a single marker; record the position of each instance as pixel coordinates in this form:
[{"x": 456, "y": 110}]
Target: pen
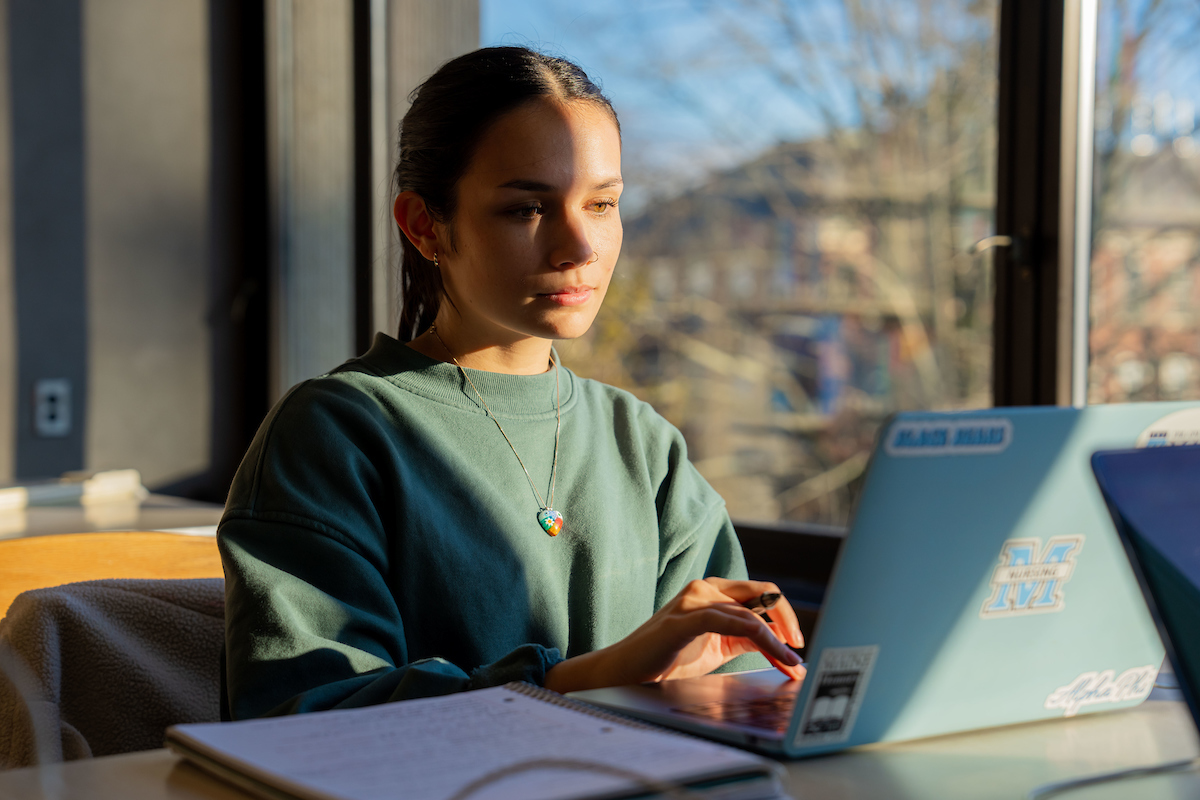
[{"x": 760, "y": 604}]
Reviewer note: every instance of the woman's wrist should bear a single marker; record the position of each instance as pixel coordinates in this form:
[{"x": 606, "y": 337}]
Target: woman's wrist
[{"x": 587, "y": 671}]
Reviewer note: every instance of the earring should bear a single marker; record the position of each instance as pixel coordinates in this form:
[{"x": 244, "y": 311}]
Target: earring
[{"x": 436, "y": 265}]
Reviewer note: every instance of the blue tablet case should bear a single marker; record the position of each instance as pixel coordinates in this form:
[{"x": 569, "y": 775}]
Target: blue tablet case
[{"x": 1154, "y": 498}]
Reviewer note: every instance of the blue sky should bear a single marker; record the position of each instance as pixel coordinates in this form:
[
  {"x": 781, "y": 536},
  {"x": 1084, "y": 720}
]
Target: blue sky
[
  {"x": 699, "y": 85},
  {"x": 1168, "y": 63},
  {"x": 693, "y": 97},
  {"x": 677, "y": 127}
]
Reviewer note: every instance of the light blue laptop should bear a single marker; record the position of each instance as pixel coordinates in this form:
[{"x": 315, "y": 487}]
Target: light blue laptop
[{"x": 981, "y": 583}]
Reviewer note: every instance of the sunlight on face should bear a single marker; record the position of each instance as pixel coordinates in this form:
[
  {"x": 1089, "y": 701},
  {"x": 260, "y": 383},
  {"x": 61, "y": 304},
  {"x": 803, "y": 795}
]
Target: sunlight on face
[{"x": 537, "y": 231}]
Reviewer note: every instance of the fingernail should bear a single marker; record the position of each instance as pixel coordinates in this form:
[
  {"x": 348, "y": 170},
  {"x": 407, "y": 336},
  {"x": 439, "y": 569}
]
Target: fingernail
[{"x": 790, "y": 658}]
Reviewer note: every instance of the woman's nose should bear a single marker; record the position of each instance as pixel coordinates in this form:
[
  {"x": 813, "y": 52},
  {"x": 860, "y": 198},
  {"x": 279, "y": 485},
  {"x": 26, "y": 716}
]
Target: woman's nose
[{"x": 572, "y": 247}]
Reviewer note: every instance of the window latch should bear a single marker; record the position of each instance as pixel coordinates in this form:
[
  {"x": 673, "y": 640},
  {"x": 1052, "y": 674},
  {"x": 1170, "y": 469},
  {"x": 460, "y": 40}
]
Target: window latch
[
  {"x": 1015, "y": 243},
  {"x": 989, "y": 243}
]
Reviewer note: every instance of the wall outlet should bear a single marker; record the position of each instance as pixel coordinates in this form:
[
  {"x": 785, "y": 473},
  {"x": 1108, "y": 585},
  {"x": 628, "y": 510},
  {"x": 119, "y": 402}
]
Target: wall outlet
[{"x": 52, "y": 407}]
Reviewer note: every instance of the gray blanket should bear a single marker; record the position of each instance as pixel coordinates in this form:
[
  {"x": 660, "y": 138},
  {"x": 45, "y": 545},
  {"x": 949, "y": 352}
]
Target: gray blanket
[{"x": 113, "y": 663}]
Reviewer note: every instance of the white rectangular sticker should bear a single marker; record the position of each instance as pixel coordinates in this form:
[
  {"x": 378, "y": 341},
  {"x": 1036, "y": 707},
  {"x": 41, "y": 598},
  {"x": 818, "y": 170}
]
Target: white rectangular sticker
[
  {"x": 959, "y": 437},
  {"x": 839, "y": 684}
]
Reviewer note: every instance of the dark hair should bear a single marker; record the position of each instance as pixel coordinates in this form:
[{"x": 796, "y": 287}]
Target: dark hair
[{"x": 450, "y": 113}]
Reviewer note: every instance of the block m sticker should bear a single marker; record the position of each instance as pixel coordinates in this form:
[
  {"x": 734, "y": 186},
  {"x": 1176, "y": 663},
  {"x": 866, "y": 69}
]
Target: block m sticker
[{"x": 1030, "y": 576}]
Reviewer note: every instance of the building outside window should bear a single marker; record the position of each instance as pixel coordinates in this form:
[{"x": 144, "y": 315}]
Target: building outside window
[{"x": 1145, "y": 267}]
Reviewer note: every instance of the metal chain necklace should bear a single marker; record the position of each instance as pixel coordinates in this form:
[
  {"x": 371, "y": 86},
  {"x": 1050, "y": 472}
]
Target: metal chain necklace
[{"x": 550, "y": 520}]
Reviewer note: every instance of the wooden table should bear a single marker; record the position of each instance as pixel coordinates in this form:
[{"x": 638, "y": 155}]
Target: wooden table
[
  {"x": 40, "y": 561},
  {"x": 996, "y": 763}
]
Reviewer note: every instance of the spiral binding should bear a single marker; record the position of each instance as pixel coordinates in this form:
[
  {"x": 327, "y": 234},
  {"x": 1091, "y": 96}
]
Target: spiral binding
[{"x": 556, "y": 699}]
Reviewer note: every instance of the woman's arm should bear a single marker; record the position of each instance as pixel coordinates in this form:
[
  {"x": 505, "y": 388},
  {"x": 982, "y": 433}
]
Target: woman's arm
[{"x": 311, "y": 625}]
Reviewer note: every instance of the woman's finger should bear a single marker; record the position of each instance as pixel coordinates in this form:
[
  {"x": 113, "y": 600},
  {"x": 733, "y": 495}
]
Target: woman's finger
[
  {"x": 717, "y": 605},
  {"x": 729, "y": 619},
  {"x": 795, "y": 672},
  {"x": 770, "y": 643},
  {"x": 785, "y": 623},
  {"x": 782, "y": 613}
]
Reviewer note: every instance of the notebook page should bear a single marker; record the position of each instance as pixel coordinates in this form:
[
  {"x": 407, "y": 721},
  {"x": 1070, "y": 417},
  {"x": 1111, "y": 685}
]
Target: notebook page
[{"x": 431, "y": 748}]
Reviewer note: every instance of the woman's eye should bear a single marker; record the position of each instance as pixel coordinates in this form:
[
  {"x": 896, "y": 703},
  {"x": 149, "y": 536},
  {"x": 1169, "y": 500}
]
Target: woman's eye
[
  {"x": 601, "y": 206},
  {"x": 528, "y": 212}
]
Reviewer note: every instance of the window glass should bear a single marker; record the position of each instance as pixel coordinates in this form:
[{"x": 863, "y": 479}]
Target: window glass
[
  {"x": 1145, "y": 274},
  {"x": 1145, "y": 281},
  {"x": 805, "y": 180}
]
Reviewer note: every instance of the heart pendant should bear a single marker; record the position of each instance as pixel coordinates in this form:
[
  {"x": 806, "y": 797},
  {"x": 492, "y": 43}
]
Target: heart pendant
[{"x": 550, "y": 520}]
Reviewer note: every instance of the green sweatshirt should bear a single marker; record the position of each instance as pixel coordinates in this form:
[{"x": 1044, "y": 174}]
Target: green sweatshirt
[{"x": 381, "y": 540}]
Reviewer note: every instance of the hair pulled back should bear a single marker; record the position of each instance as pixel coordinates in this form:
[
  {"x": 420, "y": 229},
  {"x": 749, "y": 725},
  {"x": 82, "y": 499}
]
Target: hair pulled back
[{"x": 450, "y": 113}]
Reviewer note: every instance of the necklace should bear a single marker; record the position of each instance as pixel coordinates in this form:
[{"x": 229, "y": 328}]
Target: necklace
[{"x": 550, "y": 519}]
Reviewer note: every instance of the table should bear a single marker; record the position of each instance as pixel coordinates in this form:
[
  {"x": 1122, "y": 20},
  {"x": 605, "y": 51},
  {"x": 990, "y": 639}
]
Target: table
[
  {"x": 999, "y": 762},
  {"x": 1008, "y": 762},
  {"x": 38, "y": 561}
]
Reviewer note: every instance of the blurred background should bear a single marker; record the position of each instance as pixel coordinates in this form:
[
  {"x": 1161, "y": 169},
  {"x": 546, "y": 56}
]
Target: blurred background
[{"x": 194, "y": 204}]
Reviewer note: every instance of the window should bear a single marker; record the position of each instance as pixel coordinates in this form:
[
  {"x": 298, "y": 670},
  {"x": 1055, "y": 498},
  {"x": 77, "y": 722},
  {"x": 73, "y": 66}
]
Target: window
[
  {"x": 805, "y": 181},
  {"x": 1145, "y": 248}
]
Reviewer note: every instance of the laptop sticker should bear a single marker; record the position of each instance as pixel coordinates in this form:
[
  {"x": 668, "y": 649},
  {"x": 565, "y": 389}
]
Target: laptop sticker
[
  {"x": 1031, "y": 578},
  {"x": 1095, "y": 688},
  {"x": 1181, "y": 427},
  {"x": 839, "y": 685},
  {"x": 960, "y": 437}
]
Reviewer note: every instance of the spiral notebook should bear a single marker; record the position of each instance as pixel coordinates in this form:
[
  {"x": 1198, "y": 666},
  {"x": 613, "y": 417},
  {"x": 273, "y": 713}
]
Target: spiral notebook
[{"x": 512, "y": 741}]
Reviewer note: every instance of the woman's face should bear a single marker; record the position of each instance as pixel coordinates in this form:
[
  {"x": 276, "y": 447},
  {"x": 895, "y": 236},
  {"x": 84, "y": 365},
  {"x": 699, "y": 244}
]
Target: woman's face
[{"x": 536, "y": 233}]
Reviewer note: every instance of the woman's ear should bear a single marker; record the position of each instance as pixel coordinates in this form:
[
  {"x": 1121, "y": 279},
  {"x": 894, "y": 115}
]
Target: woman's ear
[{"x": 417, "y": 224}]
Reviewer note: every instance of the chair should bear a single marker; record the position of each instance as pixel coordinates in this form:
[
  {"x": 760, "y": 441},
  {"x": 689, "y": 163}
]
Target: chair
[{"x": 113, "y": 662}]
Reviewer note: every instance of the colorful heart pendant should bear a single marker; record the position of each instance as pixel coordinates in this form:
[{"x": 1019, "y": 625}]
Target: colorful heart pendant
[{"x": 550, "y": 520}]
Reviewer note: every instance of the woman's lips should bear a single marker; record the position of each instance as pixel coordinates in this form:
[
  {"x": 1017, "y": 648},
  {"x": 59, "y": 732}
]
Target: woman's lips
[{"x": 575, "y": 296}]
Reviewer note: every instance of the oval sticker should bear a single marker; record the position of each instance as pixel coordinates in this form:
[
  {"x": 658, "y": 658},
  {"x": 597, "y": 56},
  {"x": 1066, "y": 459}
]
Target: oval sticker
[{"x": 1181, "y": 427}]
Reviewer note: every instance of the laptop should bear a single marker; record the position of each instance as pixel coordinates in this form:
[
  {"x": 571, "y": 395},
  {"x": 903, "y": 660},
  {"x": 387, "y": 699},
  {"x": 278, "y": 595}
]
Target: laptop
[
  {"x": 1154, "y": 498},
  {"x": 981, "y": 583}
]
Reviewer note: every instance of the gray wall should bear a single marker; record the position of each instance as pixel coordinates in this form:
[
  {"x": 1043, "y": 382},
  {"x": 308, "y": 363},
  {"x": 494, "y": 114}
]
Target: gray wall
[
  {"x": 49, "y": 222},
  {"x": 8, "y": 328},
  {"x": 147, "y": 153},
  {"x": 105, "y": 129},
  {"x": 103, "y": 272}
]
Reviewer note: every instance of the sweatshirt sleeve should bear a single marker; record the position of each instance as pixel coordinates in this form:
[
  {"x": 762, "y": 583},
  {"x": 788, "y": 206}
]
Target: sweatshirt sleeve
[
  {"x": 311, "y": 622},
  {"x": 697, "y": 538}
]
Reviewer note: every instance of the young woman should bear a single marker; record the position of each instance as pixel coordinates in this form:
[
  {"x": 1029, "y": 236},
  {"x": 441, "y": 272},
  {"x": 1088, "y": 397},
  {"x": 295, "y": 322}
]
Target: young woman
[{"x": 455, "y": 509}]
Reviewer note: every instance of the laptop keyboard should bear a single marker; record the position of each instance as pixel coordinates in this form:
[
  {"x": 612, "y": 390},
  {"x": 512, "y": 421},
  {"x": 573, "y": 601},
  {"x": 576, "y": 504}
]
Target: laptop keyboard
[{"x": 770, "y": 713}]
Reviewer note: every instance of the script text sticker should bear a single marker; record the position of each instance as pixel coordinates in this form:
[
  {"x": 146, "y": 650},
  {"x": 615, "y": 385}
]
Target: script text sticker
[
  {"x": 1098, "y": 688},
  {"x": 839, "y": 685}
]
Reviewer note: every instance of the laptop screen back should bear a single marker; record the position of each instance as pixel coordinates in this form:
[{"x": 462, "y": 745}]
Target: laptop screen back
[{"x": 1154, "y": 497}]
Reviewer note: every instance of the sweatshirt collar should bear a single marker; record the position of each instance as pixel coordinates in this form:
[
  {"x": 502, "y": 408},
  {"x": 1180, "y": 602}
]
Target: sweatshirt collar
[{"x": 509, "y": 396}]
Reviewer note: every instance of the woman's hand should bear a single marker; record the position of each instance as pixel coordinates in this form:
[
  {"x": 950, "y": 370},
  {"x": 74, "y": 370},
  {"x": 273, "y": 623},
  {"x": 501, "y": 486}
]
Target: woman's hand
[{"x": 704, "y": 626}]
